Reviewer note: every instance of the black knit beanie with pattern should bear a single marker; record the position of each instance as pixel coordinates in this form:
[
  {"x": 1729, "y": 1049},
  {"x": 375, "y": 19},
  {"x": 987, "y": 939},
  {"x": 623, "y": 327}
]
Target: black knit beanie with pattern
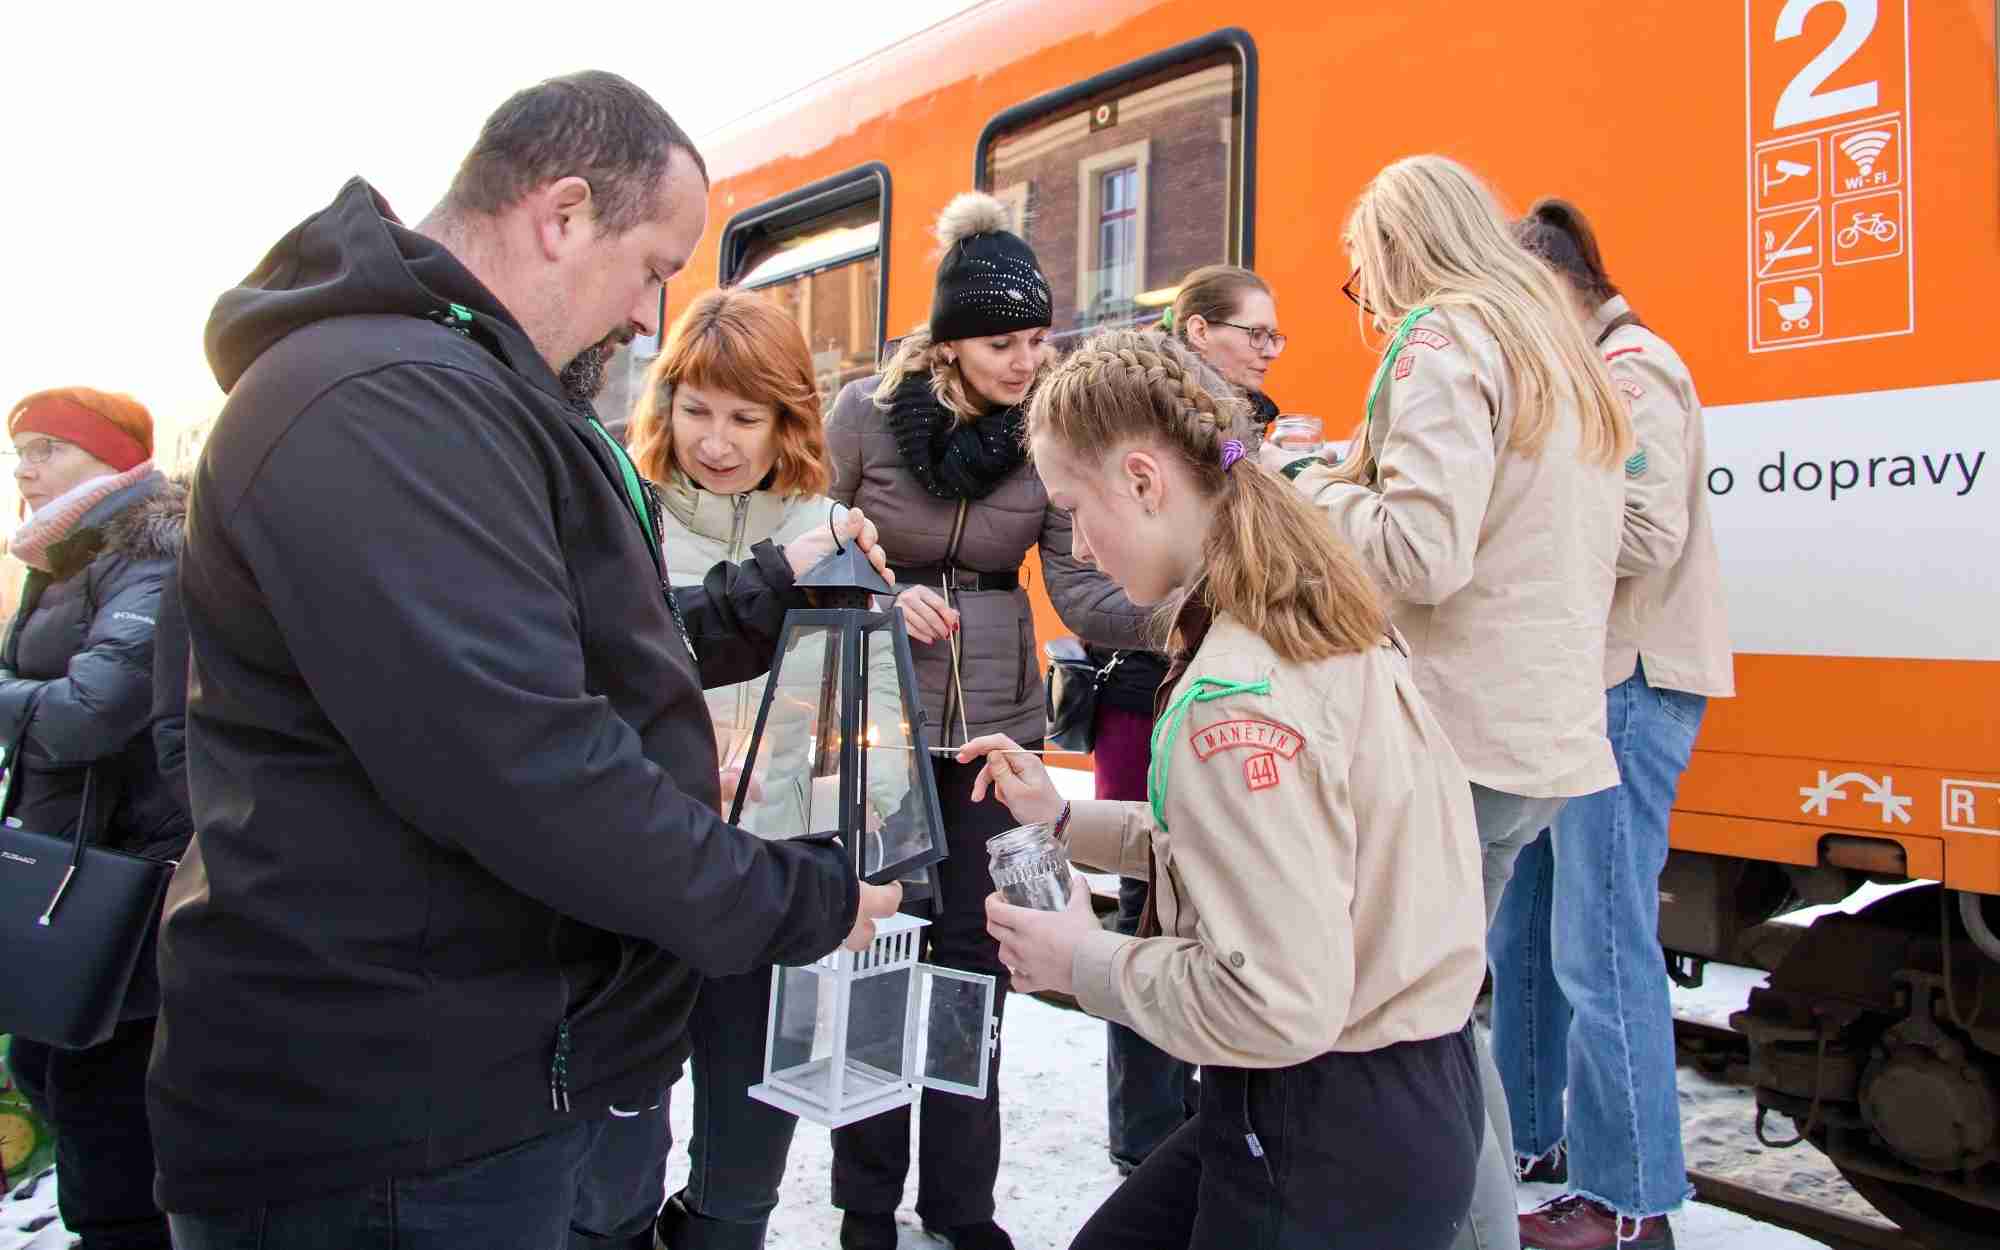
[{"x": 988, "y": 281}]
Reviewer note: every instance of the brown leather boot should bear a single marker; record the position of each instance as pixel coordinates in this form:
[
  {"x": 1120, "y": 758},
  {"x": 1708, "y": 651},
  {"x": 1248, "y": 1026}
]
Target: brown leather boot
[{"x": 1573, "y": 1223}]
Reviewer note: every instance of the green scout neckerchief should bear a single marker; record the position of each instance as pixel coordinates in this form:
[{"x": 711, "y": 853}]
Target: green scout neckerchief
[{"x": 1168, "y": 727}]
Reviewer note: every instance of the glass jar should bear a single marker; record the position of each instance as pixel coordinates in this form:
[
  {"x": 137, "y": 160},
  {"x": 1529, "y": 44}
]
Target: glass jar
[
  {"x": 1030, "y": 868},
  {"x": 1297, "y": 432}
]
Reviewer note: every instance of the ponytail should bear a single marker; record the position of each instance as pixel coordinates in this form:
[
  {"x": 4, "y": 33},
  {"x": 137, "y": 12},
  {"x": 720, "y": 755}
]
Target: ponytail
[
  {"x": 1556, "y": 232},
  {"x": 1270, "y": 560}
]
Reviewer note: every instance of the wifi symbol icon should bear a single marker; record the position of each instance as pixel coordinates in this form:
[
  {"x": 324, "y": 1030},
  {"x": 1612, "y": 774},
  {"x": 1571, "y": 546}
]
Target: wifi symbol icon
[{"x": 1864, "y": 148}]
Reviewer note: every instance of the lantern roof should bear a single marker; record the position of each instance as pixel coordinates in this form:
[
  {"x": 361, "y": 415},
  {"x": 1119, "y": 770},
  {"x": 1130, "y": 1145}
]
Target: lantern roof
[{"x": 846, "y": 569}]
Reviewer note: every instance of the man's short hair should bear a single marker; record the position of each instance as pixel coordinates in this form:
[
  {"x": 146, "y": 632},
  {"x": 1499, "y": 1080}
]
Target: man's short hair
[{"x": 593, "y": 125}]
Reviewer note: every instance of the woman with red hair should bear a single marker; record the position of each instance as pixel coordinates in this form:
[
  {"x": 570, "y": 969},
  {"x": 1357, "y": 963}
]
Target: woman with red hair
[{"x": 729, "y": 432}]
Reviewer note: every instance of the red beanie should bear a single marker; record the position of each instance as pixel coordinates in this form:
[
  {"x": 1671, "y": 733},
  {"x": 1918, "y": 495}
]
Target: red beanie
[{"x": 116, "y": 429}]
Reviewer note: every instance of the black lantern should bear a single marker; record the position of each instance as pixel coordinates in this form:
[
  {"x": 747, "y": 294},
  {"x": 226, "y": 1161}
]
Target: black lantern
[{"x": 839, "y": 745}]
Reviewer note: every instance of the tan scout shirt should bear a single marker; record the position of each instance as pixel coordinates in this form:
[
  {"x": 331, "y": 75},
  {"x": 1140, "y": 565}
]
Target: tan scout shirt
[
  {"x": 1317, "y": 878},
  {"x": 1668, "y": 608},
  {"x": 1501, "y": 566}
]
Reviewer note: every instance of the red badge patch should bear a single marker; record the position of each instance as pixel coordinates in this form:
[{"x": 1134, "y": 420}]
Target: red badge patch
[
  {"x": 1624, "y": 351},
  {"x": 1261, "y": 771},
  {"x": 1261, "y": 735},
  {"x": 1421, "y": 336},
  {"x": 1405, "y": 366},
  {"x": 1632, "y": 389}
]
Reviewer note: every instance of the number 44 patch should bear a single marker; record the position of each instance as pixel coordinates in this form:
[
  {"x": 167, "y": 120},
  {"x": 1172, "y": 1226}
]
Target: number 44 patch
[{"x": 1267, "y": 740}]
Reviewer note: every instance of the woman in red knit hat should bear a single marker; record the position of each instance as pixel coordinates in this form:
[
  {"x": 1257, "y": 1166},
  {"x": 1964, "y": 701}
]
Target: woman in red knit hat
[{"x": 76, "y": 687}]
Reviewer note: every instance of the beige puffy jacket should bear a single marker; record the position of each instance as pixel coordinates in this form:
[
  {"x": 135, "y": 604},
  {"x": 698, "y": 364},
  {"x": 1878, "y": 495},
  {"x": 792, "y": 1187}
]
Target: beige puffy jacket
[
  {"x": 1668, "y": 608},
  {"x": 1317, "y": 875},
  {"x": 1501, "y": 566}
]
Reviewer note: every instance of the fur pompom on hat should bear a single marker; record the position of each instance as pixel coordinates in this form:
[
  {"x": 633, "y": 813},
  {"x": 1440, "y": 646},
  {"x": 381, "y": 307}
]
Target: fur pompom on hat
[{"x": 988, "y": 281}]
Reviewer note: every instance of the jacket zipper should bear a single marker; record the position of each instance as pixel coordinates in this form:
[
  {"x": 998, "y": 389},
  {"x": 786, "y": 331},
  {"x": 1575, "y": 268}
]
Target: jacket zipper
[
  {"x": 735, "y": 556},
  {"x": 952, "y": 692},
  {"x": 559, "y": 1058}
]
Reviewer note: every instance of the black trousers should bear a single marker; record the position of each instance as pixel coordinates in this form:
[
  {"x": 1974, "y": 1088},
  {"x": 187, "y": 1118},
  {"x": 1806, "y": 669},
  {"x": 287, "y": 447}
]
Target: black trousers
[
  {"x": 1367, "y": 1151},
  {"x": 95, "y": 1100},
  {"x": 959, "y": 1154}
]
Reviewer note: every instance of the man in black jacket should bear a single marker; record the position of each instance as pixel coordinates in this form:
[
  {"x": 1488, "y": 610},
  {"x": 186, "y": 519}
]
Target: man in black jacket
[{"x": 458, "y": 872}]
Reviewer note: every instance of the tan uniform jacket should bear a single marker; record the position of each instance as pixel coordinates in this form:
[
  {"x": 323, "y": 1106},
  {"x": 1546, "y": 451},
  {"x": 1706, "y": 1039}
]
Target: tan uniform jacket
[
  {"x": 1500, "y": 566},
  {"x": 1317, "y": 879},
  {"x": 1668, "y": 608}
]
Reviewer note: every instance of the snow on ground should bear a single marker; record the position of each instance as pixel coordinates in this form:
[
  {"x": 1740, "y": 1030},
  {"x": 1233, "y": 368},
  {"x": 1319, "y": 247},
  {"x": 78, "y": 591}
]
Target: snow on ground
[{"x": 1055, "y": 1170}]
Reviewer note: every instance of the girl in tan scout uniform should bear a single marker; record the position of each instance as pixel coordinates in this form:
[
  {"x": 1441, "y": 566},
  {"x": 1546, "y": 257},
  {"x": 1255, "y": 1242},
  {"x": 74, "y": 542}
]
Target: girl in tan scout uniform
[
  {"x": 1485, "y": 495},
  {"x": 1313, "y": 940}
]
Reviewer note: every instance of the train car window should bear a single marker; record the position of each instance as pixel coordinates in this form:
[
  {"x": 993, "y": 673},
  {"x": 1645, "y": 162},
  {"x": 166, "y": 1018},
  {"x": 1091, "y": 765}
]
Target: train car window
[
  {"x": 1125, "y": 183},
  {"x": 819, "y": 253}
]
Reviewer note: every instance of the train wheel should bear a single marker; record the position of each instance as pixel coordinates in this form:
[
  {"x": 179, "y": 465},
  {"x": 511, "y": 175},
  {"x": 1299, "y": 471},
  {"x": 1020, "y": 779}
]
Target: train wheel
[{"x": 1935, "y": 1219}]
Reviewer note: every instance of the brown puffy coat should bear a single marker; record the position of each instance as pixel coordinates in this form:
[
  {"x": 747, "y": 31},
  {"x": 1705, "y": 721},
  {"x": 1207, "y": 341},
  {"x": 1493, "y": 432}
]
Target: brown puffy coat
[{"x": 997, "y": 660}]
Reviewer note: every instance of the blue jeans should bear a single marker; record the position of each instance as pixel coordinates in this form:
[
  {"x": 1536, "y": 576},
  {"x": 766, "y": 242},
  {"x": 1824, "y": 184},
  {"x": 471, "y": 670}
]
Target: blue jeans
[
  {"x": 736, "y": 1161},
  {"x": 522, "y": 1198},
  {"x": 1580, "y": 986},
  {"x": 1148, "y": 1092}
]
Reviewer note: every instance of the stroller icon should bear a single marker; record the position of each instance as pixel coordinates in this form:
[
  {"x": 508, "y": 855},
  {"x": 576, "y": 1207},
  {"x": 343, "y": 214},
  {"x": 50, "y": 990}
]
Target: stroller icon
[{"x": 1795, "y": 313}]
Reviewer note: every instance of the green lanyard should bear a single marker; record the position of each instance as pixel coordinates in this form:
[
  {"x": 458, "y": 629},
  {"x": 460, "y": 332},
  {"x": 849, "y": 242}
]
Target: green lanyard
[
  {"x": 635, "y": 494},
  {"x": 1168, "y": 727},
  {"x": 1408, "y": 324}
]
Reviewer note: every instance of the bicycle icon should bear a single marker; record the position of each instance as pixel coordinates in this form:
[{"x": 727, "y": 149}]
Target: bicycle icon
[{"x": 1871, "y": 225}]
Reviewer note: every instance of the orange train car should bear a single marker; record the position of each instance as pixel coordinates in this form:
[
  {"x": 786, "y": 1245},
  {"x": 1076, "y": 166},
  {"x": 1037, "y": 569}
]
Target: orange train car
[{"x": 1802, "y": 195}]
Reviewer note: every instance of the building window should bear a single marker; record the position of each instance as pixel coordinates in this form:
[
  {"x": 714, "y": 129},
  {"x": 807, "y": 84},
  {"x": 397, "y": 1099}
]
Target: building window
[
  {"x": 1117, "y": 268},
  {"x": 1091, "y": 165}
]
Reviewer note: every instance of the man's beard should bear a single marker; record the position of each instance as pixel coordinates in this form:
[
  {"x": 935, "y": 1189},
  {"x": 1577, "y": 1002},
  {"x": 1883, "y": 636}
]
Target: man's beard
[{"x": 585, "y": 377}]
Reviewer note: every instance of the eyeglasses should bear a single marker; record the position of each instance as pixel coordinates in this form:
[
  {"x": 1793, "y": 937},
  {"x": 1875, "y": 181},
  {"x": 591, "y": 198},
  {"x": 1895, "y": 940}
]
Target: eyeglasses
[
  {"x": 35, "y": 451},
  {"x": 1347, "y": 289},
  {"x": 1260, "y": 336}
]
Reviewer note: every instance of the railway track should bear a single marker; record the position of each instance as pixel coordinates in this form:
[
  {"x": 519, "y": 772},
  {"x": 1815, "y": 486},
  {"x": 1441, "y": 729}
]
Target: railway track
[{"x": 1724, "y": 1054}]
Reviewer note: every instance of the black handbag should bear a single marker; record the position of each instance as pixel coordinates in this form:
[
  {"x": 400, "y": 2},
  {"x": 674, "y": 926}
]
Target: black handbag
[
  {"x": 74, "y": 921},
  {"x": 1070, "y": 694}
]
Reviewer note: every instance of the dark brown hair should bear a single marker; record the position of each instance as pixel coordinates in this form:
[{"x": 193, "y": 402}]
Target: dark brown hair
[
  {"x": 595, "y": 126},
  {"x": 1557, "y": 233}
]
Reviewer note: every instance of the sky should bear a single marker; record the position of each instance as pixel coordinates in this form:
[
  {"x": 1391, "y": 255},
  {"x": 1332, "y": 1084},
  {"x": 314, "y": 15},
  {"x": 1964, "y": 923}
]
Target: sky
[{"x": 153, "y": 152}]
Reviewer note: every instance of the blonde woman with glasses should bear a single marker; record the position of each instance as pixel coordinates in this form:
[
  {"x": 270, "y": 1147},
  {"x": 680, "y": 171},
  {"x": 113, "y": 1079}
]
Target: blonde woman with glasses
[{"x": 1485, "y": 493}]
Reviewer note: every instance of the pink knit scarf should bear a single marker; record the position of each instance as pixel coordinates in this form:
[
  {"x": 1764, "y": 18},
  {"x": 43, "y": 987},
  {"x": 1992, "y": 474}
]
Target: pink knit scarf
[{"x": 57, "y": 519}]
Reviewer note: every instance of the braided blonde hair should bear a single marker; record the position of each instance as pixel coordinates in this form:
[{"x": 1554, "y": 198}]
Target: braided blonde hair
[{"x": 1270, "y": 560}]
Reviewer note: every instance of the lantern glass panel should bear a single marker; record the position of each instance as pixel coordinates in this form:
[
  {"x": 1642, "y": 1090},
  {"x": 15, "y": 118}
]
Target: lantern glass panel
[
  {"x": 877, "y": 1025},
  {"x": 954, "y": 1024},
  {"x": 797, "y": 758},
  {"x": 896, "y": 764}
]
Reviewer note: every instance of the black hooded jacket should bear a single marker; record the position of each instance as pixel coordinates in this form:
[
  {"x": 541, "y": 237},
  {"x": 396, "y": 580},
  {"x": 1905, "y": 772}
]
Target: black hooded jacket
[{"x": 457, "y": 873}]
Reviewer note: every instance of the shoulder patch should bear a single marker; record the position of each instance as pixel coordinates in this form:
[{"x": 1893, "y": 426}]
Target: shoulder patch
[
  {"x": 1424, "y": 336},
  {"x": 1623, "y": 351},
  {"x": 1635, "y": 465},
  {"x": 1406, "y": 364},
  {"x": 1631, "y": 389},
  {"x": 1259, "y": 735}
]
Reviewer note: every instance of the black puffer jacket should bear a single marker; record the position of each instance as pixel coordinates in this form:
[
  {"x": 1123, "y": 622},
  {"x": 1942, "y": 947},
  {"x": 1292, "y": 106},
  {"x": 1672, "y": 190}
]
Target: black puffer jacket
[{"x": 80, "y": 655}]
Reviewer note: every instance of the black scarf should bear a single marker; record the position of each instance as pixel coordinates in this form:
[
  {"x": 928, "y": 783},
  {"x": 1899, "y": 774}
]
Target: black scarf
[
  {"x": 954, "y": 459},
  {"x": 1263, "y": 409}
]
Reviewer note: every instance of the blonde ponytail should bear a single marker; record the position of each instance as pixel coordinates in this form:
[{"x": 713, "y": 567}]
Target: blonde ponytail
[{"x": 1270, "y": 561}]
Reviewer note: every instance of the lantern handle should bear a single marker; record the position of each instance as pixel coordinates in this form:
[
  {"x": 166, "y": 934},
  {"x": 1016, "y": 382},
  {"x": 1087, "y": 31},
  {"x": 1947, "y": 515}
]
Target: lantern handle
[{"x": 834, "y": 515}]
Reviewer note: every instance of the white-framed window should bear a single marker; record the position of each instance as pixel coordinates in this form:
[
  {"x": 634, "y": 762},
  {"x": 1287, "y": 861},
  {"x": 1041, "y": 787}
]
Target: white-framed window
[{"x": 1111, "y": 224}]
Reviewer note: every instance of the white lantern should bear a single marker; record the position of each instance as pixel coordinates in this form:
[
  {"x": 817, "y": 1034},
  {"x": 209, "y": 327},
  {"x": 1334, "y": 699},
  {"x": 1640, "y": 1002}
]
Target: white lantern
[
  {"x": 839, "y": 749},
  {"x": 855, "y": 1034}
]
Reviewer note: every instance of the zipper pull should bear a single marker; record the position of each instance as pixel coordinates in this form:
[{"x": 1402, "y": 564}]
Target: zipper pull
[{"x": 559, "y": 1070}]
